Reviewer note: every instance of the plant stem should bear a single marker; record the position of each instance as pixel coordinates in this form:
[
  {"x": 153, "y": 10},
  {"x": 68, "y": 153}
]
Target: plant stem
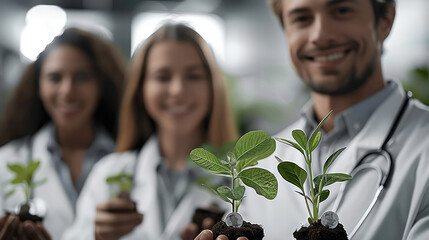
[
  {"x": 306, "y": 203},
  {"x": 315, "y": 207},
  {"x": 232, "y": 187}
]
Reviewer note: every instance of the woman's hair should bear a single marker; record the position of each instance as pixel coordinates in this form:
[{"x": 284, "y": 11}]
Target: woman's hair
[
  {"x": 379, "y": 8},
  {"x": 136, "y": 126},
  {"x": 25, "y": 114}
]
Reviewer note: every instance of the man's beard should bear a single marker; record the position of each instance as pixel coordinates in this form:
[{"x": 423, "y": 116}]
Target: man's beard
[{"x": 351, "y": 84}]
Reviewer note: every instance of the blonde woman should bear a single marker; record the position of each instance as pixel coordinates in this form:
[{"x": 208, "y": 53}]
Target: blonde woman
[{"x": 175, "y": 100}]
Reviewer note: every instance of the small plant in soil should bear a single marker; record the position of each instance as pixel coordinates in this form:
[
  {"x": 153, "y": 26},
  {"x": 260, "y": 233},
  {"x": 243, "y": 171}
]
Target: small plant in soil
[
  {"x": 327, "y": 227},
  {"x": 24, "y": 179},
  {"x": 239, "y": 167},
  {"x": 121, "y": 183}
]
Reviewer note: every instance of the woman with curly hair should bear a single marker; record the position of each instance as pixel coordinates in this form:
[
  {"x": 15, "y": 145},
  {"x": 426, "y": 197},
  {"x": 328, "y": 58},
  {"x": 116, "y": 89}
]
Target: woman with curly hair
[{"x": 63, "y": 113}]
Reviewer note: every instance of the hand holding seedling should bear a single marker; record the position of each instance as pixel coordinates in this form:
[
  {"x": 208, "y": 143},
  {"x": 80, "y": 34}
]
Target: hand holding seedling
[
  {"x": 249, "y": 149},
  {"x": 115, "y": 218},
  {"x": 13, "y": 228},
  {"x": 297, "y": 176}
]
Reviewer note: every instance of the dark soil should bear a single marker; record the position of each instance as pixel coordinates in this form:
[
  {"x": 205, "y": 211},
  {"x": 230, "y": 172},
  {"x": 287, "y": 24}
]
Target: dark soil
[
  {"x": 317, "y": 231},
  {"x": 201, "y": 213},
  {"x": 24, "y": 214},
  {"x": 251, "y": 231}
]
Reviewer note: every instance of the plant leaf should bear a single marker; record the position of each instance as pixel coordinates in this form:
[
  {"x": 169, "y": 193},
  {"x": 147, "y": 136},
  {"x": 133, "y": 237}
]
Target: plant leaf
[
  {"x": 237, "y": 193},
  {"x": 10, "y": 193},
  {"x": 331, "y": 178},
  {"x": 292, "y": 144},
  {"x": 323, "y": 195},
  {"x": 263, "y": 181},
  {"x": 15, "y": 167},
  {"x": 315, "y": 132},
  {"x": 113, "y": 179},
  {"x": 39, "y": 183},
  {"x": 331, "y": 159},
  {"x": 224, "y": 192},
  {"x": 305, "y": 196},
  {"x": 209, "y": 161},
  {"x": 252, "y": 147},
  {"x": 315, "y": 142},
  {"x": 292, "y": 173},
  {"x": 300, "y": 138},
  {"x": 252, "y": 162}
]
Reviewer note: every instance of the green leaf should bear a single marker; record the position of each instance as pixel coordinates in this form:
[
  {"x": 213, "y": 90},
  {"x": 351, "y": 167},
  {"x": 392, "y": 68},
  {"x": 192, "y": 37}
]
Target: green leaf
[
  {"x": 39, "y": 183},
  {"x": 331, "y": 159},
  {"x": 17, "y": 180},
  {"x": 315, "y": 142},
  {"x": 10, "y": 193},
  {"x": 331, "y": 178},
  {"x": 209, "y": 161},
  {"x": 292, "y": 173},
  {"x": 224, "y": 193},
  {"x": 16, "y": 168},
  {"x": 300, "y": 138},
  {"x": 113, "y": 179},
  {"x": 254, "y": 161},
  {"x": 315, "y": 132},
  {"x": 263, "y": 181},
  {"x": 305, "y": 196},
  {"x": 33, "y": 166},
  {"x": 252, "y": 147},
  {"x": 292, "y": 144},
  {"x": 237, "y": 193},
  {"x": 324, "y": 195}
]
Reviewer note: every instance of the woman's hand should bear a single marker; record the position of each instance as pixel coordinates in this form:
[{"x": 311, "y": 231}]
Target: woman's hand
[
  {"x": 12, "y": 228},
  {"x": 115, "y": 218}
]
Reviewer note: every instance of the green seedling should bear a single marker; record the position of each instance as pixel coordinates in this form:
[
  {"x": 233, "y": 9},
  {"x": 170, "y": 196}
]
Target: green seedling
[
  {"x": 248, "y": 150},
  {"x": 123, "y": 181},
  {"x": 24, "y": 178},
  {"x": 297, "y": 176}
]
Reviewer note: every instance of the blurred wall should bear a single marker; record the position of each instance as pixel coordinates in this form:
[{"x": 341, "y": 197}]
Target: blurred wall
[{"x": 265, "y": 91}]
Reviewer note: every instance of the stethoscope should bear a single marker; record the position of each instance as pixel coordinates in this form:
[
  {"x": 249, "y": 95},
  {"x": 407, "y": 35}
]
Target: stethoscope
[{"x": 363, "y": 165}]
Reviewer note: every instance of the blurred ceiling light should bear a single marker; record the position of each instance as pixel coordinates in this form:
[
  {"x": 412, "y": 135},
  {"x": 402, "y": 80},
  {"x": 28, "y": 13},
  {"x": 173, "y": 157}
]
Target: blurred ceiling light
[
  {"x": 209, "y": 26},
  {"x": 43, "y": 23}
]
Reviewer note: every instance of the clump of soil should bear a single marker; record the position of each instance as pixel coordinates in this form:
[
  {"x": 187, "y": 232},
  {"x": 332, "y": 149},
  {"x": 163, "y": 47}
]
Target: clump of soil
[
  {"x": 201, "y": 213},
  {"x": 24, "y": 214},
  {"x": 317, "y": 231},
  {"x": 249, "y": 230}
]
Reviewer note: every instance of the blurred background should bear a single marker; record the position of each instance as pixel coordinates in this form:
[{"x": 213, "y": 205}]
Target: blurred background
[{"x": 248, "y": 42}]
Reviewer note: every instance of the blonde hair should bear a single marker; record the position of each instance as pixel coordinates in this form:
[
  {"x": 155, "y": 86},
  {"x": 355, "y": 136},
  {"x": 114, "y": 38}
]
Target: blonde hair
[{"x": 135, "y": 124}]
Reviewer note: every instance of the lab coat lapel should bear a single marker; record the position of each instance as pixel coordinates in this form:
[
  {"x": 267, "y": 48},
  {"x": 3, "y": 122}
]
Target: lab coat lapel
[
  {"x": 52, "y": 192},
  {"x": 146, "y": 188},
  {"x": 371, "y": 136}
]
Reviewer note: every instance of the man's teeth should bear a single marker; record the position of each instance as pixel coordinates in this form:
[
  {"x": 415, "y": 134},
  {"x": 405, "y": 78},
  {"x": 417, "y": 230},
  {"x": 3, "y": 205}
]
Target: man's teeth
[
  {"x": 331, "y": 57},
  {"x": 179, "y": 109}
]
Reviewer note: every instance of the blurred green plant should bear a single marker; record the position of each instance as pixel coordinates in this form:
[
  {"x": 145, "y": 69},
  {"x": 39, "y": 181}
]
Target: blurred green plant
[{"x": 417, "y": 82}]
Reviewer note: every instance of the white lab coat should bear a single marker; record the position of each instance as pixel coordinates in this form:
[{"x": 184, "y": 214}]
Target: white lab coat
[
  {"x": 144, "y": 193},
  {"x": 59, "y": 213},
  {"x": 401, "y": 212}
]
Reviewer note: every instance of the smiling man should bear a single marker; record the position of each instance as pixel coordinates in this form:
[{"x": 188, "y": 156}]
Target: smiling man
[{"x": 335, "y": 47}]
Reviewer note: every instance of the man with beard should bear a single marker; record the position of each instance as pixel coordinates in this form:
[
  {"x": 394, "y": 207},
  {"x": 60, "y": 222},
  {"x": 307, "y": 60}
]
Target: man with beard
[{"x": 335, "y": 47}]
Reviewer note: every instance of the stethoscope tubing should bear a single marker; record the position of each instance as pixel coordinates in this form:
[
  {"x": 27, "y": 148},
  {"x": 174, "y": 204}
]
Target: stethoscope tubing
[{"x": 383, "y": 180}]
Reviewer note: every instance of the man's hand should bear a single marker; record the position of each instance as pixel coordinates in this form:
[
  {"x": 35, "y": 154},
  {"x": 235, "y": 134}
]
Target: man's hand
[
  {"x": 12, "y": 228},
  {"x": 116, "y": 218},
  {"x": 191, "y": 230},
  {"x": 208, "y": 235}
]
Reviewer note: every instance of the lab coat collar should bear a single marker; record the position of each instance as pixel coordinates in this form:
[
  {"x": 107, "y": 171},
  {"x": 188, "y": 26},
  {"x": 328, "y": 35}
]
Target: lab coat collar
[
  {"x": 53, "y": 184},
  {"x": 372, "y": 135}
]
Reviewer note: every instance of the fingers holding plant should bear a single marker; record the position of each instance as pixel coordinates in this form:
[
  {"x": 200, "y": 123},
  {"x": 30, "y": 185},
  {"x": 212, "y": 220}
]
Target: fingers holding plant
[{"x": 116, "y": 218}]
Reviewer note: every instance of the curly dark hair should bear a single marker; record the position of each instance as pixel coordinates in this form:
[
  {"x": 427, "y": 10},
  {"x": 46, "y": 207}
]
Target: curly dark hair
[{"x": 25, "y": 114}]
